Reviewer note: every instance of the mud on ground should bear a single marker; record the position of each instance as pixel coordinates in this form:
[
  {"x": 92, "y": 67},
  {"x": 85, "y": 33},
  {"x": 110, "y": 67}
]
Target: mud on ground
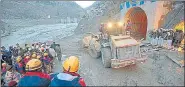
[{"x": 156, "y": 71}]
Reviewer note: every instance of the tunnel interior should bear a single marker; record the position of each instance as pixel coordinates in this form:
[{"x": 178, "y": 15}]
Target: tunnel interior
[{"x": 138, "y": 19}]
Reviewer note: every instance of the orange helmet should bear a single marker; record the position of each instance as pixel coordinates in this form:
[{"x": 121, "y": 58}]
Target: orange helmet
[
  {"x": 71, "y": 64},
  {"x": 3, "y": 64},
  {"x": 27, "y": 57},
  {"x": 42, "y": 48},
  {"x": 18, "y": 59},
  {"x": 34, "y": 56}
]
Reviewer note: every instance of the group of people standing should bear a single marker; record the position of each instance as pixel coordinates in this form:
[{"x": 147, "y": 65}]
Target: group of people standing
[
  {"x": 167, "y": 38},
  {"x": 32, "y": 66}
]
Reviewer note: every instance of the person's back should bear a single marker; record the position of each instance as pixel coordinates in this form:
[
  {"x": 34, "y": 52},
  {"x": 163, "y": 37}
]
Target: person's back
[
  {"x": 64, "y": 79},
  {"x": 19, "y": 66},
  {"x": 69, "y": 77},
  {"x": 34, "y": 79},
  {"x": 34, "y": 75},
  {"x": 58, "y": 51},
  {"x": 15, "y": 52},
  {"x": 11, "y": 75}
]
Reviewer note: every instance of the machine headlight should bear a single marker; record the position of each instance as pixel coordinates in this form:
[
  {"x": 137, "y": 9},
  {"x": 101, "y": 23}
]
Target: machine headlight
[
  {"x": 120, "y": 24},
  {"x": 110, "y": 25}
]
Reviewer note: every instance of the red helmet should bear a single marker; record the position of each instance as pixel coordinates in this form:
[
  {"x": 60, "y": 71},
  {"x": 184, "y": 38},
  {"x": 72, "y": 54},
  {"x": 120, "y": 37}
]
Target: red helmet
[{"x": 42, "y": 49}]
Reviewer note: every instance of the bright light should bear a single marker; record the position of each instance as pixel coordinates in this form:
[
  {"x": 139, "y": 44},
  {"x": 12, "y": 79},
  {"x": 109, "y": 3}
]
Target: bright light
[
  {"x": 109, "y": 25},
  {"x": 85, "y": 4},
  {"x": 120, "y": 24}
]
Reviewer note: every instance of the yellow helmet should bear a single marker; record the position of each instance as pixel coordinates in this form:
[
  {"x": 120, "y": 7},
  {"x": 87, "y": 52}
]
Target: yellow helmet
[
  {"x": 3, "y": 64},
  {"x": 33, "y": 64},
  {"x": 18, "y": 59},
  {"x": 38, "y": 56},
  {"x": 45, "y": 54},
  {"x": 34, "y": 52},
  {"x": 34, "y": 56},
  {"x": 71, "y": 64}
]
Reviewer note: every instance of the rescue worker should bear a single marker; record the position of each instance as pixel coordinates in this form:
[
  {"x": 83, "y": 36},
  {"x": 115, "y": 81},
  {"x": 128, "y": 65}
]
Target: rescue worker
[
  {"x": 53, "y": 45},
  {"x": 18, "y": 46},
  {"x": 6, "y": 56},
  {"x": 19, "y": 66},
  {"x": 11, "y": 49},
  {"x": 3, "y": 69},
  {"x": 128, "y": 27},
  {"x": 11, "y": 75},
  {"x": 26, "y": 47},
  {"x": 26, "y": 59},
  {"x": 42, "y": 50},
  {"x": 160, "y": 39},
  {"x": 21, "y": 52},
  {"x": 34, "y": 76},
  {"x": 154, "y": 37},
  {"x": 58, "y": 51},
  {"x": 50, "y": 56},
  {"x": 3, "y": 72},
  {"x": 33, "y": 48},
  {"x": 178, "y": 36},
  {"x": 69, "y": 77},
  {"x": 170, "y": 36},
  {"x": 39, "y": 57},
  {"x": 15, "y": 53},
  {"x": 34, "y": 56},
  {"x": 47, "y": 63}
]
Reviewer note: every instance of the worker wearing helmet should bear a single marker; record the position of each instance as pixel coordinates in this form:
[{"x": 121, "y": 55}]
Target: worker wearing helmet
[
  {"x": 47, "y": 63},
  {"x": 69, "y": 76},
  {"x": 42, "y": 49},
  {"x": 46, "y": 58},
  {"x": 34, "y": 56},
  {"x": 26, "y": 59},
  {"x": 39, "y": 57},
  {"x": 34, "y": 76},
  {"x": 3, "y": 69},
  {"x": 19, "y": 66},
  {"x": 3, "y": 72},
  {"x": 11, "y": 75}
]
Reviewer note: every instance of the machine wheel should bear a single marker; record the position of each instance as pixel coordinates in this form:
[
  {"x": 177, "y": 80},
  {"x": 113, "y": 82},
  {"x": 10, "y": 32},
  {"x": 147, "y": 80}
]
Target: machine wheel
[
  {"x": 93, "y": 53},
  {"x": 106, "y": 57}
]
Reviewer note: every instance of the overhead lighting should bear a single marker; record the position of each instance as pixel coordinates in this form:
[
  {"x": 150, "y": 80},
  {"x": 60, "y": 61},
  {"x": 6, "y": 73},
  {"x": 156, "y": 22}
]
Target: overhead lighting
[
  {"x": 110, "y": 25},
  {"x": 120, "y": 24}
]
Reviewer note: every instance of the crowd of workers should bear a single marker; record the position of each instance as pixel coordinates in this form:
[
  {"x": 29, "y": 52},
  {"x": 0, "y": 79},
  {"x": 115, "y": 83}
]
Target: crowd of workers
[
  {"x": 167, "y": 38},
  {"x": 32, "y": 66}
]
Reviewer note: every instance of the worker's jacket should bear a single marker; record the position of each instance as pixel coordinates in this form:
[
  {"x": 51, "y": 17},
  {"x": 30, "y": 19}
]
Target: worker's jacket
[
  {"x": 3, "y": 70},
  {"x": 46, "y": 60},
  {"x": 11, "y": 76},
  {"x": 65, "y": 79},
  {"x": 19, "y": 67},
  {"x": 34, "y": 79},
  {"x": 26, "y": 60}
]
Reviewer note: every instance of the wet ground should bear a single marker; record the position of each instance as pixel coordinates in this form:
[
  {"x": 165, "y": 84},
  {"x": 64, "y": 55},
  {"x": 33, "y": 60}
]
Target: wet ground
[{"x": 158, "y": 70}]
